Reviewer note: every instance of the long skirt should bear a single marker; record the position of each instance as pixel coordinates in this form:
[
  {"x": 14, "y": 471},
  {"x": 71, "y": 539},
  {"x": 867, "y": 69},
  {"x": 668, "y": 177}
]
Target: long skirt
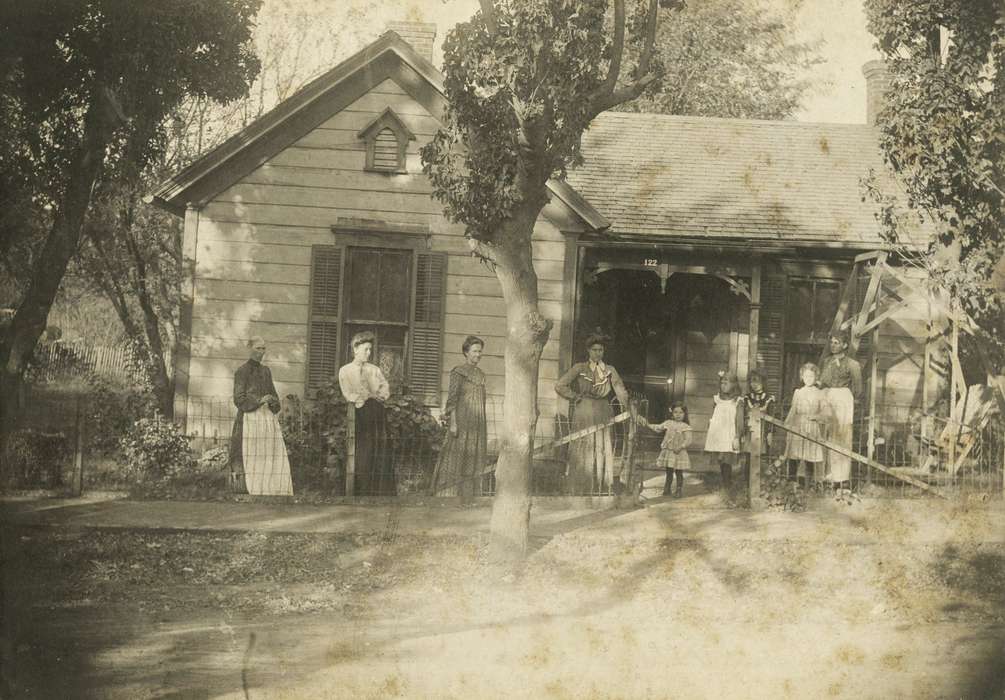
[
  {"x": 263, "y": 452},
  {"x": 842, "y": 405},
  {"x": 374, "y": 471},
  {"x": 591, "y": 458},
  {"x": 463, "y": 456}
]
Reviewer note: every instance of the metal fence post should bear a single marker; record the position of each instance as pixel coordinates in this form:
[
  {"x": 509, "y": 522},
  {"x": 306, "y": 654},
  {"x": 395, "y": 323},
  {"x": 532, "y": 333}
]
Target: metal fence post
[
  {"x": 754, "y": 476},
  {"x": 78, "y": 452},
  {"x": 350, "y": 460}
]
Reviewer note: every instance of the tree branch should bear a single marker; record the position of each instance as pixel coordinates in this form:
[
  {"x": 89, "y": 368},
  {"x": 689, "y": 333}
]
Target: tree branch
[
  {"x": 617, "y": 49},
  {"x": 608, "y": 95},
  {"x": 489, "y": 14}
]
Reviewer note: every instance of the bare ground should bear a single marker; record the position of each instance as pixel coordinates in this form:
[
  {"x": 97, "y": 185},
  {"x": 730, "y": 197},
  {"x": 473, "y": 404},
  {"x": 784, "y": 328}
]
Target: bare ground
[{"x": 871, "y": 601}]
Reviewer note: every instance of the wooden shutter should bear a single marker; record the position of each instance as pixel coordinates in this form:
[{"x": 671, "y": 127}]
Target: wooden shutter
[
  {"x": 425, "y": 357},
  {"x": 771, "y": 329},
  {"x": 327, "y": 268}
]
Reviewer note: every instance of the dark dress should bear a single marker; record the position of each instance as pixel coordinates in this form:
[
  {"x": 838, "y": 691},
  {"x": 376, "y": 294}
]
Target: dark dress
[
  {"x": 374, "y": 470},
  {"x": 463, "y": 455},
  {"x": 252, "y": 381}
]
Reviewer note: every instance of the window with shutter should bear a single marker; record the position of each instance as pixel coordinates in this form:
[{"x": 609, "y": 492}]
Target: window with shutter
[
  {"x": 325, "y": 309},
  {"x": 771, "y": 329},
  {"x": 395, "y": 293}
]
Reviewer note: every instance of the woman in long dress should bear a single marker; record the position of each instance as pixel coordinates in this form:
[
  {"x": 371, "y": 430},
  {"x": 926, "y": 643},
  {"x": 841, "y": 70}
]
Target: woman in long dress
[
  {"x": 588, "y": 387},
  {"x": 462, "y": 458},
  {"x": 364, "y": 386},
  {"x": 841, "y": 378},
  {"x": 257, "y": 448}
]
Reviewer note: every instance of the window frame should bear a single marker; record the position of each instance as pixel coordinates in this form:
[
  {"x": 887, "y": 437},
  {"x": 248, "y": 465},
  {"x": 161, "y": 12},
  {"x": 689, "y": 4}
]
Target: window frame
[{"x": 417, "y": 240}]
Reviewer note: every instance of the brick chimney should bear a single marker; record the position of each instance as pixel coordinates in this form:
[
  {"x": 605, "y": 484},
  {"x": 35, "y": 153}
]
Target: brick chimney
[
  {"x": 419, "y": 34},
  {"x": 877, "y": 82}
]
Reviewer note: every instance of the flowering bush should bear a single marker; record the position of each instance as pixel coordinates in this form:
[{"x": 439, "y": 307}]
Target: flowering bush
[{"x": 155, "y": 449}]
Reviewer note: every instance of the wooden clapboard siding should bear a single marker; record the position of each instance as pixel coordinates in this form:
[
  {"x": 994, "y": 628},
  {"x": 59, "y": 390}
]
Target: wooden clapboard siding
[
  {"x": 253, "y": 258},
  {"x": 230, "y": 290},
  {"x": 253, "y": 309},
  {"x": 236, "y": 349},
  {"x": 221, "y": 270},
  {"x": 245, "y": 328},
  {"x": 327, "y": 179},
  {"x": 353, "y": 119},
  {"x": 211, "y": 367},
  {"x": 259, "y": 203}
]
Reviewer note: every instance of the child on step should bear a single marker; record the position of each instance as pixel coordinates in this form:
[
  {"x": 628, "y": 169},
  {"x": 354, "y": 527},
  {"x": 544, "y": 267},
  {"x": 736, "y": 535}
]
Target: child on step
[
  {"x": 725, "y": 428},
  {"x": 673, "y": 450}
]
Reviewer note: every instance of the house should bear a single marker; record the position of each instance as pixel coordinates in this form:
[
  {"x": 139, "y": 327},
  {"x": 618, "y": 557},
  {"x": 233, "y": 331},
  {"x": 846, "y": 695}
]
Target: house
[{"x": 696, "y": 244}]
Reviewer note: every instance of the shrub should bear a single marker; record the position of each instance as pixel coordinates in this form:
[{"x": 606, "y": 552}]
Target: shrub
[
  {"x": 111, "y": 412},
  {"x": 316, "y": 435},
  {"x": 155, "y": 449}
]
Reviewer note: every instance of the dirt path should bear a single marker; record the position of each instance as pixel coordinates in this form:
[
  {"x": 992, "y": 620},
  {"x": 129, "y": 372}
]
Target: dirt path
[{"x": 879, "y": 602}]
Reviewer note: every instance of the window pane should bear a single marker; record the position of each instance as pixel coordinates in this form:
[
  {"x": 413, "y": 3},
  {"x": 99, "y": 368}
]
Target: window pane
[
  {"x": 388, "y": 351},
  {"x": 395, "y": 285},
  {"x": 364, "y": 284},
  {"x": 799, "y": 310}
]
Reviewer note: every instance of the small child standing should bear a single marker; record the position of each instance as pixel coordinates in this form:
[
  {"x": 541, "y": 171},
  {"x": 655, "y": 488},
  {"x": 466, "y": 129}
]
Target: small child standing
[
  {"x": 808, "y": 413},
  {"x": 725, "y": 428},
  {"x": 673, "y": 450},
  {"x": 758, "y": 397}
]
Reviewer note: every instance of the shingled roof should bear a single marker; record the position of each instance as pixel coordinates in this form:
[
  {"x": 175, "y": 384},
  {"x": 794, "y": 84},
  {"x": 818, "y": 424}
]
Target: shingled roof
[{"x": 688, "y": 177}]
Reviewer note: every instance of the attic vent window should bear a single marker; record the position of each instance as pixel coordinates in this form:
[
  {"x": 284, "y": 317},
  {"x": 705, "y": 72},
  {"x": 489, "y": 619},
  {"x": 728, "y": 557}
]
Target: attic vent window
[{"x": 386, "y": 139}]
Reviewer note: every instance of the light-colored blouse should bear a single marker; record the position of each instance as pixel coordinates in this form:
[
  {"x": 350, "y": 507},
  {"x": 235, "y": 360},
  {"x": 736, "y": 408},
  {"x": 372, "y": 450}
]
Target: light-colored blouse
[{"x": 360, "y": 381}]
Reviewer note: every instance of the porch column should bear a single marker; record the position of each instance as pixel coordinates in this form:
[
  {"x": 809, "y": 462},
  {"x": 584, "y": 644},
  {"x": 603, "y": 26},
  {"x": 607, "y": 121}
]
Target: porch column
[
  {"x": 755, "y": 316},
  {"x": 570, "y": 293}
]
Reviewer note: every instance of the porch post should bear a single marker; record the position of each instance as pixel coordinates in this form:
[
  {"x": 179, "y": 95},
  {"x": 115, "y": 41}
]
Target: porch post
[
  {"x": 570, "y": 292},
  {"x": 755, "y": 316}
]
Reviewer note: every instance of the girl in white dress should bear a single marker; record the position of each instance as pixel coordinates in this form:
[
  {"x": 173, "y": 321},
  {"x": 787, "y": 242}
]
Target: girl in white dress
[
  {"x": 722, "y": 441},
  {"x": 807, "y": 415}
]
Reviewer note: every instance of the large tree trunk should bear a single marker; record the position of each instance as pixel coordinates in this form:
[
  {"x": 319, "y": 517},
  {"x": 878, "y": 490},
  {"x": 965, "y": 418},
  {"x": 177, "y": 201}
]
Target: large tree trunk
[
  {"x": 527, "y": 332},
  {"x": 60, "y": 246}
]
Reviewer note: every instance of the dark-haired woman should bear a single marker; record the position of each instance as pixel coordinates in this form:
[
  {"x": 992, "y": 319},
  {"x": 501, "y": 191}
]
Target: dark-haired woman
[
  {"x": 588, "y": 387},
  {"x": 364, "y": 385},
  {"x": 459, "y": 470}
]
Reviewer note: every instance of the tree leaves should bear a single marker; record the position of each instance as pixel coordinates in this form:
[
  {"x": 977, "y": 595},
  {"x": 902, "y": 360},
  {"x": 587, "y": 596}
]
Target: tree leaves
[{"x": 942, "y": 132}]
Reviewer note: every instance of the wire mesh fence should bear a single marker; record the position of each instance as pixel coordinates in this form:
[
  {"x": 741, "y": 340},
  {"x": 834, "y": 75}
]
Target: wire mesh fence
[
  {"x": 318, "y": 444},
  {"x": 45, "y": 450},
  {"x": 919, "y": 454}
]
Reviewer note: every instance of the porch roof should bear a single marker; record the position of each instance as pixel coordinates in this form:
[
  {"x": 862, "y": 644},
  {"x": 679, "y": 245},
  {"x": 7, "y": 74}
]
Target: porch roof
[{"x": 688, "y": 177}]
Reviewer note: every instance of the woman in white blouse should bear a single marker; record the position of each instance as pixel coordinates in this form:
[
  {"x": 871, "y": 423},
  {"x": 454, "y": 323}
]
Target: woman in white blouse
[{"x": 364, "y": 385}]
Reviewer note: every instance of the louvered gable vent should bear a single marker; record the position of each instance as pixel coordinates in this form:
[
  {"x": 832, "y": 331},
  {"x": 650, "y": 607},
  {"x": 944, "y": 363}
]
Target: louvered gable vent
[{"x": 386, "y": 139}]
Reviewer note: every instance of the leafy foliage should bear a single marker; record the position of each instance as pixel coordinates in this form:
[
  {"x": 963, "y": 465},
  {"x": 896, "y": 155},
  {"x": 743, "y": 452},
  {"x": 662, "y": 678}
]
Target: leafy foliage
[
  {"x": 522, "y": 86},
  {"x": 728, "y": 58},
  {"x": 316, "y": 435},
  {"x": 155, "y": 450},
  {"x": 943, "y": 133}
]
